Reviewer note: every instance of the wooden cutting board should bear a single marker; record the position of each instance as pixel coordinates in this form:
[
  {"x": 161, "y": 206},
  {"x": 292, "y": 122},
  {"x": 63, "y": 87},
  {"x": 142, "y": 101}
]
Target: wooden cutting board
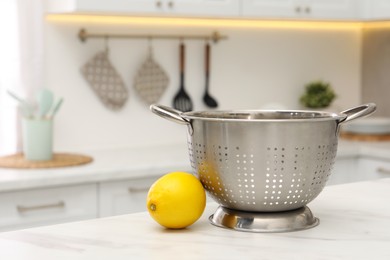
[
  {"x": 59, "y": 160},
  {"x": 365, "y": 137}
]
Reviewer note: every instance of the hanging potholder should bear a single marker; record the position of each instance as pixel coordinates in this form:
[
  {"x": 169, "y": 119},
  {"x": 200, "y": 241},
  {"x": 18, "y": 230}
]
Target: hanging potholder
[
  {"x": 151, "y": 80},
  {"x": 105, "y": 81}
]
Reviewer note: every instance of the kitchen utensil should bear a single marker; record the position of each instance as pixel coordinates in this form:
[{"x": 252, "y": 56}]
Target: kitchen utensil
[
  {"x": 182, "y": 101},
  {"x": 26, "y": 108},
  {"x": 105, "y": 81},
  {"x": 262, "y": 160},
  {"x": 56, "y": 108},
  {"x": 151, "y": 80},
  {"x": 207, "y": 99},
  {"x": 45, "y": 102}
]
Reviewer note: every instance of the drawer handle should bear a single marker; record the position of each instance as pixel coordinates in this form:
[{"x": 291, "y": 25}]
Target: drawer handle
[
  {"x": 23, "y": 209},
  {"x": 383, "y": 170},
  {"x": 131, "y": 190}
]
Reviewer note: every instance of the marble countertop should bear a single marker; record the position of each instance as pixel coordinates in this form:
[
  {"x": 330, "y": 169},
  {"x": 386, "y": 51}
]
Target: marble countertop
[
  {"x": 142, "y": 162},
  {"x": 354, "y": 224},
  {"x": 107, "y": 165}
]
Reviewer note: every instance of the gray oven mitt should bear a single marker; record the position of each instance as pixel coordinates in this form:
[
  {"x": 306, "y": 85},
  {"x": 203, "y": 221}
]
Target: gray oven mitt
[
  {"x": 151, "y": 80},
  {"x": 105, "y": 81}
]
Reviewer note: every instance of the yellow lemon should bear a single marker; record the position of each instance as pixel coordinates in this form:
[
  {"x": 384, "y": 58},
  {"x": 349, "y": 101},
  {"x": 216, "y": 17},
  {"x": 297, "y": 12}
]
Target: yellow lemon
[{"x": 176, "y": 200}]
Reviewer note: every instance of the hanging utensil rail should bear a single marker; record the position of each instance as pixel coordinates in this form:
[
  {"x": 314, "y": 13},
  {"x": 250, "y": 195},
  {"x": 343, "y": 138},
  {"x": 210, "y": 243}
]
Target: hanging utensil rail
[{"x": 215, "y": 36}]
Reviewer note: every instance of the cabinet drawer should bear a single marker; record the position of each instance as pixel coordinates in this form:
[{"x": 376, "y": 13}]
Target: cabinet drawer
[
  {"x": 29, "y": 208},
  {"x": 123, "y": 197},
  {"x": 373, "y": 169},
  {"x": 344, "y": 171}
]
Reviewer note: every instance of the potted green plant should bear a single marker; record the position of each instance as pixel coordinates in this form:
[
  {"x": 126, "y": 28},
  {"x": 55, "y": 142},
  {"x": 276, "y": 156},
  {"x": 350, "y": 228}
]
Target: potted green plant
[{"x": 318, "y": 94}]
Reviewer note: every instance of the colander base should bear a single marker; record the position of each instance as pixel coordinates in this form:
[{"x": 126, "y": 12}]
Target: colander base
[{"x": 264, "y": 222}]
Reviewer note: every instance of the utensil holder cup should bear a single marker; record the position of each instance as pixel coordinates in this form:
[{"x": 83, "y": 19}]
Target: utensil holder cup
[{"x": 37, "y": 139}]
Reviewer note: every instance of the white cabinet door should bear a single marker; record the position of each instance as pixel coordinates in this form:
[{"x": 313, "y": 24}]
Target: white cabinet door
[
  {"x": 333, "y": 9},
  {"x": 348, "y": 170},
  {"x": 223, "y": 8},
  {"x": 301, "y": 9},
  {"x": 29, "y": 208},
  {"x": 344, "y": 171},
  {"x": 369, "y": 169},
  {"x": 123, "y": 197},
  {"x": 106, "y": 6},
  {"x": 379, "y": 9},
  {"x": 270, "y": 8},
  {"x": 148, "y": 7}
]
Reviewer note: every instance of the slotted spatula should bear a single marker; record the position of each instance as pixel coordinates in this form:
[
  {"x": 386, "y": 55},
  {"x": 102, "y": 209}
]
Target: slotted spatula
[
  {"x": 182, "y": 101},
  {"x": 207, "y": 98}
]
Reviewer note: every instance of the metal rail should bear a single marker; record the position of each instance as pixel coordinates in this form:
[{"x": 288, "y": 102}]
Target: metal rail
[{"x": 215, "y": 36}]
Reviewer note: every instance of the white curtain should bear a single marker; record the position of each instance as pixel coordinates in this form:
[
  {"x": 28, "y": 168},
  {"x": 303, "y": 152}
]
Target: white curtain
[{"x": 21, "y": 63}]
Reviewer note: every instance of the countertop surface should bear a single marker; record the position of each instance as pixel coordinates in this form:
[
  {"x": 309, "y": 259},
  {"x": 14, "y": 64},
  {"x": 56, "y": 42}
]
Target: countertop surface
[
  {"x": 354, "y": 224},
  {"x": 116, "y": 164},
  {"x": 107, "y": 165}
]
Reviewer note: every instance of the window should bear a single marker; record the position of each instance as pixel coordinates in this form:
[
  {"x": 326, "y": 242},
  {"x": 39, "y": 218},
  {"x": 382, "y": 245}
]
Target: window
[{"x": 21, "y": 59}]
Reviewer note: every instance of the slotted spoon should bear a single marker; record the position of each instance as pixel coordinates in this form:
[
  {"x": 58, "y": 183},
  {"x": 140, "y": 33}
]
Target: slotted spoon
[
  {"x": 207, "y": 98},
  {"x": 182, "y": 101}
]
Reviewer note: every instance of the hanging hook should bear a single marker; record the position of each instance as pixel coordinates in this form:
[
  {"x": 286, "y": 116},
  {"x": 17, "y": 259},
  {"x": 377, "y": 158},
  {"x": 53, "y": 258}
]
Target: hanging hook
[
  {"x": 207, "y": 40},
  {"x": 106, "y": 49},
  {"x": 150, "y": 48}
]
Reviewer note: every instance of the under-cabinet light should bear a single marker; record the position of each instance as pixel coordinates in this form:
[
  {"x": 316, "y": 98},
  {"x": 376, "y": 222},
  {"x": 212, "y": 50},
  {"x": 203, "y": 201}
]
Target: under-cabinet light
[
  {"x": 376, "y": 25},
  {"x": 203, "y": 22}
]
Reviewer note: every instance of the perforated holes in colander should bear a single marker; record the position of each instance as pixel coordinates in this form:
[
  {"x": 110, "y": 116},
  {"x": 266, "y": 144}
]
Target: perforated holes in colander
[
  {"x": 209, "y": 167},
  {"x": 275, "y": 171},
  {"x": 226, "y": 191},
  {"x": 245, "y": 177},
  {"x": 191, "y": 155},
  {"x": 326, "y": 160},
  {"x": 298, "y": 181}
]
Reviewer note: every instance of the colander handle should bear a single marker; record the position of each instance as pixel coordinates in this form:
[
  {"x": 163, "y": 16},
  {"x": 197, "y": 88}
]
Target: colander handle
[
  {"x": 360, "y": 111},
  {"x": 169, "y": 113}
]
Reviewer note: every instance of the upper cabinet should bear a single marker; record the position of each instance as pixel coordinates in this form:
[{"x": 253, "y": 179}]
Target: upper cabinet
[
  {"x": 215, "y": 8},
  {"x": 378, "y": 9},
  {"x": 301, "y": 9},
  {"x": 221, "y": 8},
  {"x": 258, "y": 9}
]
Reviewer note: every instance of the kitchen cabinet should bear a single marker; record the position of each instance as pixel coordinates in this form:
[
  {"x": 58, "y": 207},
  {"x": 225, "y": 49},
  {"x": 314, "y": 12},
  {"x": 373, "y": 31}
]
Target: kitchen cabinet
[
  {"x": 344, "y": 171},
  {"x": 356, "y": 169},
  {"x": 370, "y": 168},
  {"x": 151, "y": 7},
  {"x": 378, "y": 9},
  {"x": 122, "y": 197},
  {"x": 261, "y": 9},
  {"x": 35, "y": 207},
  {"x": 301, "y": 9}
]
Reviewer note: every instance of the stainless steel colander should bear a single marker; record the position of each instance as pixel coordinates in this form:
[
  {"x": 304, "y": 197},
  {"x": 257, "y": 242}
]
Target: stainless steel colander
[{"x": 262, "y": 160}]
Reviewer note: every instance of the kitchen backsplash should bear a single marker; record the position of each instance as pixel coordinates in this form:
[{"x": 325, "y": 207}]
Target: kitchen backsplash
[{"x": 254, "y": 68}]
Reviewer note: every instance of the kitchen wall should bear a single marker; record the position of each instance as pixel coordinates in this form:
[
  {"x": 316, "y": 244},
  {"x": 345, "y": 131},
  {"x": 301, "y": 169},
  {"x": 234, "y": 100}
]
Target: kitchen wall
[
  {"x": 375, "y": 69},
  {"x": 254, "y": 68}
]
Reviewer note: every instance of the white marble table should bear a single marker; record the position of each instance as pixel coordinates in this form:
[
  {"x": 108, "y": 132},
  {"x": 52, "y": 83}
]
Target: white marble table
[{"x": 355, "y": 224}]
